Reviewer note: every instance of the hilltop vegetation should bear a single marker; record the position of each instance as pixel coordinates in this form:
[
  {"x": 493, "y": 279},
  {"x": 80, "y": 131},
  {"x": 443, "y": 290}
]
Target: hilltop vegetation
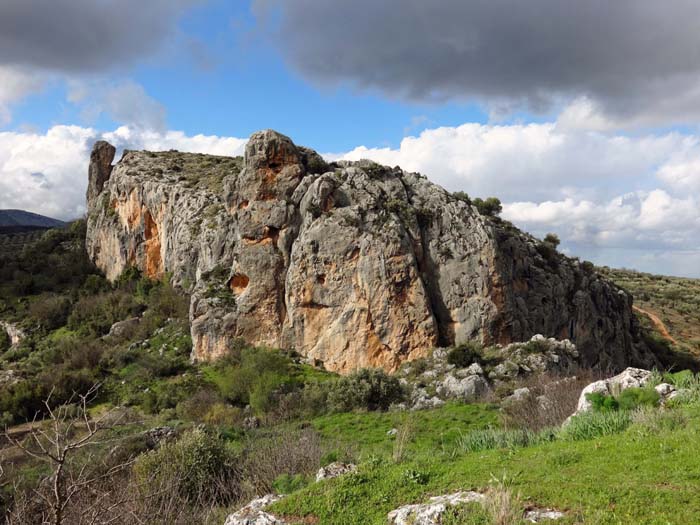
[{"x": 674, "y": 300}]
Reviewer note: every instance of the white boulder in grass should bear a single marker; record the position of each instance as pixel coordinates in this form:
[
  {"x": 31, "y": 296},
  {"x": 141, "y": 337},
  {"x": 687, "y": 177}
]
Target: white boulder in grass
[
  {"x": 254, "y": 513},
  {"x": 334, "y": 470},
  {"x": 431, "y": 513},
  {"x": 629, "y": 378}
]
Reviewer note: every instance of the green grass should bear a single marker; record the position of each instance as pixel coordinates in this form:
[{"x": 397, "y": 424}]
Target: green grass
[
  {"x": 438, "y": 429},
  {"x": 628, "y": 477}
]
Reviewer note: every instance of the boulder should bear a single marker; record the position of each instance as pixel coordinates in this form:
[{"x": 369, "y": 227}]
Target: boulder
[
  {"x": 629, "y": 378},
  {"x": 466, "y": 389},
  {"x": 431, "y": 513},
  {"x": 254, "y": 513},
  {"x": 123, "y": 328},
  {"x": 334, "y": 470}
]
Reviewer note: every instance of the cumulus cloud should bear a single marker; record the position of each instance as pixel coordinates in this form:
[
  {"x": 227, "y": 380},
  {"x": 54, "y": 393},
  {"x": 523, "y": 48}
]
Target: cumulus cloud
[
  {"x": 47, "y": 173},
  {"x": 611, "y": 198},
  {"x": 533, "y": 161},
  {"x": 125, "y": 102},
  {"x": 635, "y": 59},
  {"x": 15, "y": 84},
  {"x": 84, "y": 35}
]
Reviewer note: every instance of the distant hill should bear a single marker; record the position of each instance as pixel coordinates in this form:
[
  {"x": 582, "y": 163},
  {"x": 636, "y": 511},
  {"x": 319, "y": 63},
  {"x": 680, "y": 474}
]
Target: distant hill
[{"x": 16, "y": 221}]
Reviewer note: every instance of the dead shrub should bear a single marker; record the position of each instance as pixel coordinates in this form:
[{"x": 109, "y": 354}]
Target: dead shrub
[
  {"x": 551, "y": 400},
  {"x": 270, "y": 454}
]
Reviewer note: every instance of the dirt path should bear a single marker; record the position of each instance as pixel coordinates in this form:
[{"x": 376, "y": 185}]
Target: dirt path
[{"x": 658, "y": 324}]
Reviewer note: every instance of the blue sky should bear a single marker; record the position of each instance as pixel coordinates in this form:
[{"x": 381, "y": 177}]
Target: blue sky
[
  {"x": 588, "y": 129},
  {"x": 218, "y": 76}
]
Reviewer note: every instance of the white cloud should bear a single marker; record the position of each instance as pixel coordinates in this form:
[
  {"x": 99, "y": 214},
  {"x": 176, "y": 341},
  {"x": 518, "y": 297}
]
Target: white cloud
[
  {"x": 612, "y": 198},
  {"x": 531, "y": 162},
  {"x": 624, "y": 201},
  {"x": 47, "y": 173},
  {"x": 125, "y": 102},
  {"x": 15, "y": 85}
]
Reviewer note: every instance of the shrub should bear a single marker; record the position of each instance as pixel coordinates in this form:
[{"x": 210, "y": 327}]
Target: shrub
[
  {"x": 50, "y": 311},
  {"x": 198, "y": 466},
  {"x": 5, "y": 342},
  {"x": 253, "y": 376},
  {"x": 95, "y": 315},
  {"x": 552, "y": 239},
  {"x": 551, "y": 401},
  {"x": 370, "y": 389},
  {"x": 271, "y": 455},
  {"x": 286, "y": 483},
  {"x": 650, "y": 421},
  {"x": 464, "y": 355},
  {"x": 221, "y": 414},
  {"x": 602, "y": 402},
  {"x": 462, "y": 196},
  {"x": 196, "y": 407},
  {"x": 632, "y": 398}
]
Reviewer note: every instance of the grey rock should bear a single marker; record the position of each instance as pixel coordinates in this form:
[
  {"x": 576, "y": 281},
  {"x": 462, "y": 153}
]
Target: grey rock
[
  {"x": 665, "y": 390},
  {"x": 520, "y": 394},
  {"x": 123, "y": 328},
  {"x": 14, "y": 332},
  {"x": 467, "y": 389},
  {"x": 155, "y": 436},
  {"x": 431, "y": 513},
  {"x": 251, "y": 422},
  {"x": 351, "y": 263},
  {"x": 254, "y": 513},
  {"x": 334, "y": 470},
  {"x": 539, "y": 515},
  {"x": 8, "y": 378}
]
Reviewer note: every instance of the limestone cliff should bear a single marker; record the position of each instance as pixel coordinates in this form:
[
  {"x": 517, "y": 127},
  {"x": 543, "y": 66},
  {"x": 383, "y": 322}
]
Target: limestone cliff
[{"x": 350, "y": 263}]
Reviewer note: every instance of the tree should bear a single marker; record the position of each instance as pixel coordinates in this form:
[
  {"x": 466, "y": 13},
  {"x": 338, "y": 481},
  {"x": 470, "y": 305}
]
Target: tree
[
  {"x": 490, "y": 207},
  {"x": 67, "y": 432},
  {"x": 552, "y": 239}
]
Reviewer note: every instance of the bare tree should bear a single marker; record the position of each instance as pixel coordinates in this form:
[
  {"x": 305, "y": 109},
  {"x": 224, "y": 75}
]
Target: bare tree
[{"x": 57, "y": 441}]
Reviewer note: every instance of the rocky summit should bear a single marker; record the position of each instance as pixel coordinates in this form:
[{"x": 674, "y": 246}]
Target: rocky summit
[{"x": 352, "y": 264}]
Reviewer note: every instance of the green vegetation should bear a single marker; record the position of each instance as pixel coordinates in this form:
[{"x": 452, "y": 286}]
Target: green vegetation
[
  {"x": 465, "y": 354},
  {"x": 195, "y": 170},
  {"x": 490, "y": 207},
  {"x": 262, "y": 420},
  {"x": 676, "y": 303}
]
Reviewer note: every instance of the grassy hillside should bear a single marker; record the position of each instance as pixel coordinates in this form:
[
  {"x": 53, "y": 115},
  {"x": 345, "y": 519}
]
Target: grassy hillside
[{"x": 675, "y": 301}]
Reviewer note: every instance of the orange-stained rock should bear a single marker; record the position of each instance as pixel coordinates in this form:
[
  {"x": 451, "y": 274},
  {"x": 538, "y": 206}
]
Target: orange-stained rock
[{"x": 351, "y": 263}]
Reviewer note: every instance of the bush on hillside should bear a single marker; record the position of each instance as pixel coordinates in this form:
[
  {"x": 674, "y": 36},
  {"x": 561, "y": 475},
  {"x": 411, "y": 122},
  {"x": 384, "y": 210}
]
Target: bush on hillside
[
  {"x": 464, "y": 355},
  {"x": 369, "y": 389},
  {"x": 632, "y": 398},
  {"x": 490, "y": 207},
  {"x": 198, "y": 466}
]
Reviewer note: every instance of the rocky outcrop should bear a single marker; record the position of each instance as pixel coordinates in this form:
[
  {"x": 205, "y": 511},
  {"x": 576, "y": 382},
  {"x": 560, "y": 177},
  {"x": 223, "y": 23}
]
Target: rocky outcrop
[
  {"x": 352, "y": 264},
  {"x": 14, "y": 332}
]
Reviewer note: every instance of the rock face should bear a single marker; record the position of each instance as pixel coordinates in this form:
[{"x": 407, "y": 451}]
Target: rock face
[{"x": 350, "y": 263}]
